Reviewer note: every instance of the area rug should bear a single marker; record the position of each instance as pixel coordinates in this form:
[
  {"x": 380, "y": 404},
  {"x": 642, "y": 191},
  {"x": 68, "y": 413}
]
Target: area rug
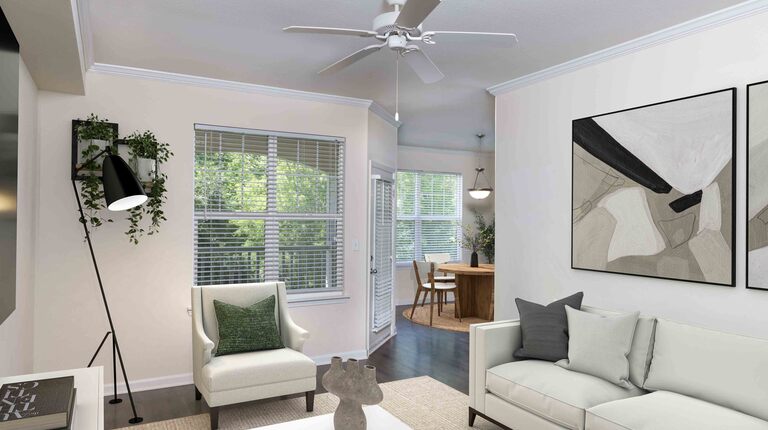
[
  {"x": 444, "y": 321},
  {"x": 422, "y": 403}
]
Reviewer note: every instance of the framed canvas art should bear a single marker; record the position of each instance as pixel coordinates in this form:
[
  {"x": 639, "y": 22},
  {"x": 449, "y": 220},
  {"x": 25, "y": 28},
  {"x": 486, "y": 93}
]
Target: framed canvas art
[
  {"x": 757, "y": 186},
  {"x": 653, "y": 190}
]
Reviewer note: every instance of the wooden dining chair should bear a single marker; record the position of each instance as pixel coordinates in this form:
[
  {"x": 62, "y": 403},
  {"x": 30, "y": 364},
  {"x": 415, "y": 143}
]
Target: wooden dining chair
[
  {"x": 426, "y": 270},
  {"x": 441, "y": 258}
]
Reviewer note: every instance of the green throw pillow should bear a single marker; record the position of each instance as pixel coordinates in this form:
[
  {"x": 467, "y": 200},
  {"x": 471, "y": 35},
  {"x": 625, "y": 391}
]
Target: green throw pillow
[{"x": 247, "y": 329}]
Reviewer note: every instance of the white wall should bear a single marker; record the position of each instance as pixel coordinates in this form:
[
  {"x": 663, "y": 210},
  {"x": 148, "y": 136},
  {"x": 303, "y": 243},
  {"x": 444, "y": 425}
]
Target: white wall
[
  {"x": 448, "y": 161},
  {"x": 16, "y": 332},
  {"x": 149, "y": 285},
  {"x": 534, "y": 169},
  {"x": 382, "y": 141}
]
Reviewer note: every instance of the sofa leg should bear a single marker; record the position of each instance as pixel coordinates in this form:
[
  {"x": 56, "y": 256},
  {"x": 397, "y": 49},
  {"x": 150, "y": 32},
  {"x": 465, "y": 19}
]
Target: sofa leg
[
  {"x": 214, "y": 412},
  {"x": 198, "y": 395},
  {"x": 472, "y": 416},
  {"x": 310, "y": 401}
]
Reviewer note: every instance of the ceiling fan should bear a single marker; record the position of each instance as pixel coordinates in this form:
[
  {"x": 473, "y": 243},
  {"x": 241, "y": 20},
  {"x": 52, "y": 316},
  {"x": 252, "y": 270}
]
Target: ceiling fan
[{"x": 396, "y": 30}]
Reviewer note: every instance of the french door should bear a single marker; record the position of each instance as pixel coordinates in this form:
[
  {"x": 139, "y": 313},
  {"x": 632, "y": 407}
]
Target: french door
[{"x": 381, "y": 282}]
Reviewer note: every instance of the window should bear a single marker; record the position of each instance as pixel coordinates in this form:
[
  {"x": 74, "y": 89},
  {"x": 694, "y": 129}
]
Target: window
[
  {"x": 428, "y": 214},
  {"x": 268, "y": 207}
]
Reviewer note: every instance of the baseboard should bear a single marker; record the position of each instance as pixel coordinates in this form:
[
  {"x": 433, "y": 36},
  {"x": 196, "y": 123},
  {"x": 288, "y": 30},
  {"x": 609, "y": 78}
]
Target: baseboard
[
  {"x": 149, "y": 383},
  {"x": 186, "y": 378},
  {"x": 326, "y": 359}
]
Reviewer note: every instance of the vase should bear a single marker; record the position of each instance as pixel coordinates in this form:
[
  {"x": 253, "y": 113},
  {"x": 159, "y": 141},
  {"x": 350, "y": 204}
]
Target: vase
[
  {"x": 145, "y": 169},
  {"x": 473, "y": 261},
  {"x": 82, "y": 145},
  {"x": 355, "y": 386}
]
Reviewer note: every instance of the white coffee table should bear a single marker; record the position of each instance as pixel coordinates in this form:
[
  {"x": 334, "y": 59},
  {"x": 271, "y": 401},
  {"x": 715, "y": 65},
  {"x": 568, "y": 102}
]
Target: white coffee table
[
  {"x": 89, "y": 402},
  {"x": 378, "y": 419}
]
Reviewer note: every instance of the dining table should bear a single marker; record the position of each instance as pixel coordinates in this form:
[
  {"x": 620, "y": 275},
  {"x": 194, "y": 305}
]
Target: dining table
[{"x": 475, "y": 288}]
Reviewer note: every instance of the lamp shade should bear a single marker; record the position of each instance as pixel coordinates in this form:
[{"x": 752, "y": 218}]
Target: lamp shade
[{"x": 122, "y": 190}]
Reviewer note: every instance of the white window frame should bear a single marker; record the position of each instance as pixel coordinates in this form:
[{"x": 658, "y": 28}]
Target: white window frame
[
  {"x": 418, "y": 218},
  {"x": 297, "y": 296}
]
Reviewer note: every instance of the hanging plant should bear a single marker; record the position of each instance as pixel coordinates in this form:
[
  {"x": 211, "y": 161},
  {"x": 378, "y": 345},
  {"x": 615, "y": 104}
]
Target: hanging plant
[
  {"x": 147, "y": 154},
  {"x": 94, "y": 135}
]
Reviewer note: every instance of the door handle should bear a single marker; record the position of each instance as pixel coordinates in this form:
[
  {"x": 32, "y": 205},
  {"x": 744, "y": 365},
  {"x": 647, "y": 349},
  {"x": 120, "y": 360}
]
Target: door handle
[{"x": 374, "y": 271}]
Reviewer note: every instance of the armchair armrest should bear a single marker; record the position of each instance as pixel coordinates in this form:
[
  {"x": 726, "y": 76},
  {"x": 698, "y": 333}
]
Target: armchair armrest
[
  {"x": 294, "y": 335},
  {"x": 490, "y": 344},
  {"x": 202, "y": 345}
]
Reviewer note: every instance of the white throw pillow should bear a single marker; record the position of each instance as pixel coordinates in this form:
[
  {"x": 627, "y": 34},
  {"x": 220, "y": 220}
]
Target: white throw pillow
[{"x": 599, "y": 345}]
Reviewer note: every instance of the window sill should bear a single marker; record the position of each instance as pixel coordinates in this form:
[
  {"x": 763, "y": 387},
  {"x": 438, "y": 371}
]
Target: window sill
[{"x": 316, "y": 299}]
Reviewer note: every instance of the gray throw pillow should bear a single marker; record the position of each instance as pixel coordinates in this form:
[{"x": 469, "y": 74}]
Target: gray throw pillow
[
  {"x": 545, "y": 328},
  {"x": 599, "y": 345}
]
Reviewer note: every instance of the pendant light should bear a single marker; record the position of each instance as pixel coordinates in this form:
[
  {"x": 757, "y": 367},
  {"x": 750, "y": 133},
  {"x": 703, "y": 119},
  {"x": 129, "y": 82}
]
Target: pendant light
[{"x": 477, "y": 192}]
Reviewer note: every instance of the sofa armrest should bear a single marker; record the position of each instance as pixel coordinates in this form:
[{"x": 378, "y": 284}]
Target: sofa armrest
[
  {"x": 295, "y": 336},
  {"x": 490, "y": 344}
]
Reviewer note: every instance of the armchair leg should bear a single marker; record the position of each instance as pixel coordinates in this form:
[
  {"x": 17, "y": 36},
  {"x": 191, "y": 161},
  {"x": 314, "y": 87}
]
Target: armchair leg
[
  {"x": 214, "y": 412},
  {"x": 198, "y": 395},
  {"x": 472, "y": 416},
  {"x": 310, "y": 401}
]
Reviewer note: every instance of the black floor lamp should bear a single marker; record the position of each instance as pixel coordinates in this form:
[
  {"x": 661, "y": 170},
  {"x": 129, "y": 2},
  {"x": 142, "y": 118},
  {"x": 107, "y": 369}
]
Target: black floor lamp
[{"x": 122, "y": 191}]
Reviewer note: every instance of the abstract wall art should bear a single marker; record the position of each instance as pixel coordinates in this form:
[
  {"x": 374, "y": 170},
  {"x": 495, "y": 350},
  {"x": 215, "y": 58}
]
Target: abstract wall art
[
  {"x": 653, "y": 190},
  {"x": 757, "y": 186}
]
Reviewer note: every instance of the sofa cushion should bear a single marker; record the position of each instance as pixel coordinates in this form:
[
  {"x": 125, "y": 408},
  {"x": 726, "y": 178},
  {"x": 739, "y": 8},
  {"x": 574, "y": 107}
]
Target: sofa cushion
[
  {"x": 250, "y": 369},
  {"x": 545, "y": 328},
  {"x": 599, "y": 345},
  {"x": 551, "y": 392},
  {"x": 720, "y": 368},
  {"x": 642, "y": 345},
  {"x": 663, "y": 410}
]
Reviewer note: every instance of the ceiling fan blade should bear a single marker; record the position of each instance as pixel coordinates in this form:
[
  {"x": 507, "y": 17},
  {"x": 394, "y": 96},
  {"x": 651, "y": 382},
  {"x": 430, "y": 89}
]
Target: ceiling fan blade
[
  {"x": 505, "y": 38},
  {"x": 415, "y": 12},
  {"x": 422, "y": 65},
  {"x": 329, "y": 30},
  {"x": 349, "y": 59}
]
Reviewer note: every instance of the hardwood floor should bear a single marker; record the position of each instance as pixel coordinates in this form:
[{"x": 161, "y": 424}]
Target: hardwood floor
[{"x": 415, "y": 351}]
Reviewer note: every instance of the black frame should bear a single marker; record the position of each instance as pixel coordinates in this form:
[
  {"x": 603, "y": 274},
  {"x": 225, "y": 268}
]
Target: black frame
[
  {"x": 733, "y": 193},
  {"x": 746, "y": 213},
  {"x": 76, "y": 175}
]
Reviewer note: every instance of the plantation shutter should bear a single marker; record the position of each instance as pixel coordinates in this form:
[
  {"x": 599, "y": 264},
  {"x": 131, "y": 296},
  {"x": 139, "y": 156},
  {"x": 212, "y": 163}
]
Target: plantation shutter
[
  {"x": 383, "y": 278},
  {"x": 429, "y": 209},
  {"x": 268, "y": 207}
]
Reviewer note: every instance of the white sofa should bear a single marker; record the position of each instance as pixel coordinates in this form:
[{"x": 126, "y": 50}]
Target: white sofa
[
  {"x": 237, "y": 378},
  {"x": 691, "y": 378}
]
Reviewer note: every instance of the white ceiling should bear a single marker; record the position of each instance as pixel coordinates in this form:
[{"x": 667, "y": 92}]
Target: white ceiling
[{"x": 241, "y": 40}]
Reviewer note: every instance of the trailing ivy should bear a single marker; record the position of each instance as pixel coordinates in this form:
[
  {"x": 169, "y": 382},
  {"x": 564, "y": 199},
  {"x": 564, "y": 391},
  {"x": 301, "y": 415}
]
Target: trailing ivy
[
  {"x": 93, "y": 128},
  {"x": 140, "y": 145},
  {"x": 145, "y": 145}
]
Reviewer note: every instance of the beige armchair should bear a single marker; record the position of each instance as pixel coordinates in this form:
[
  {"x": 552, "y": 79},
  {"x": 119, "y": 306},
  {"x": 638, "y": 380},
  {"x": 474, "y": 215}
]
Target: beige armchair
[{"x": 249, "y": 376}]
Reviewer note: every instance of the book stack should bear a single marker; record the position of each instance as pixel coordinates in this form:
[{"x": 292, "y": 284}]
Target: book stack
[{"x": 45, "y": 404}]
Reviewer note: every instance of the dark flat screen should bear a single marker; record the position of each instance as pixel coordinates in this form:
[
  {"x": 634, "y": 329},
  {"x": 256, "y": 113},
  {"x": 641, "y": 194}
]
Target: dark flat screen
[{"x": 9, "y": 151}]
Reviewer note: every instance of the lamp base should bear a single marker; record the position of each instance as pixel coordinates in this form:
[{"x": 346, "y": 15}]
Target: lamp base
[
  {"x": 115, "y": 401},
  {"x": 136, "y": 420}
]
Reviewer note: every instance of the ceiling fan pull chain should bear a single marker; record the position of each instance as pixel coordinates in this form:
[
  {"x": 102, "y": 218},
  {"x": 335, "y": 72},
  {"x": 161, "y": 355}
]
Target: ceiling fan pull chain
[{"x": 397, "y": 87}]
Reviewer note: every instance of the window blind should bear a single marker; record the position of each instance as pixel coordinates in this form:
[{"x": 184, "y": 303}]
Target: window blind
[
  {"x": 429, "y": 209},
  {"x": 268, "y": 207},
  {"x": 383, "y": 284}
]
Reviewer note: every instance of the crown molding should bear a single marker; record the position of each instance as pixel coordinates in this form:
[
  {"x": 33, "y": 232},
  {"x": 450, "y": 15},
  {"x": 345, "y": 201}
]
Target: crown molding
[
  {"x": 200, "y": 81},
  {"x": 83, "y": 17},
  {"x": 384, "y": 114},
  {"x": 715, "y": 19}
]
